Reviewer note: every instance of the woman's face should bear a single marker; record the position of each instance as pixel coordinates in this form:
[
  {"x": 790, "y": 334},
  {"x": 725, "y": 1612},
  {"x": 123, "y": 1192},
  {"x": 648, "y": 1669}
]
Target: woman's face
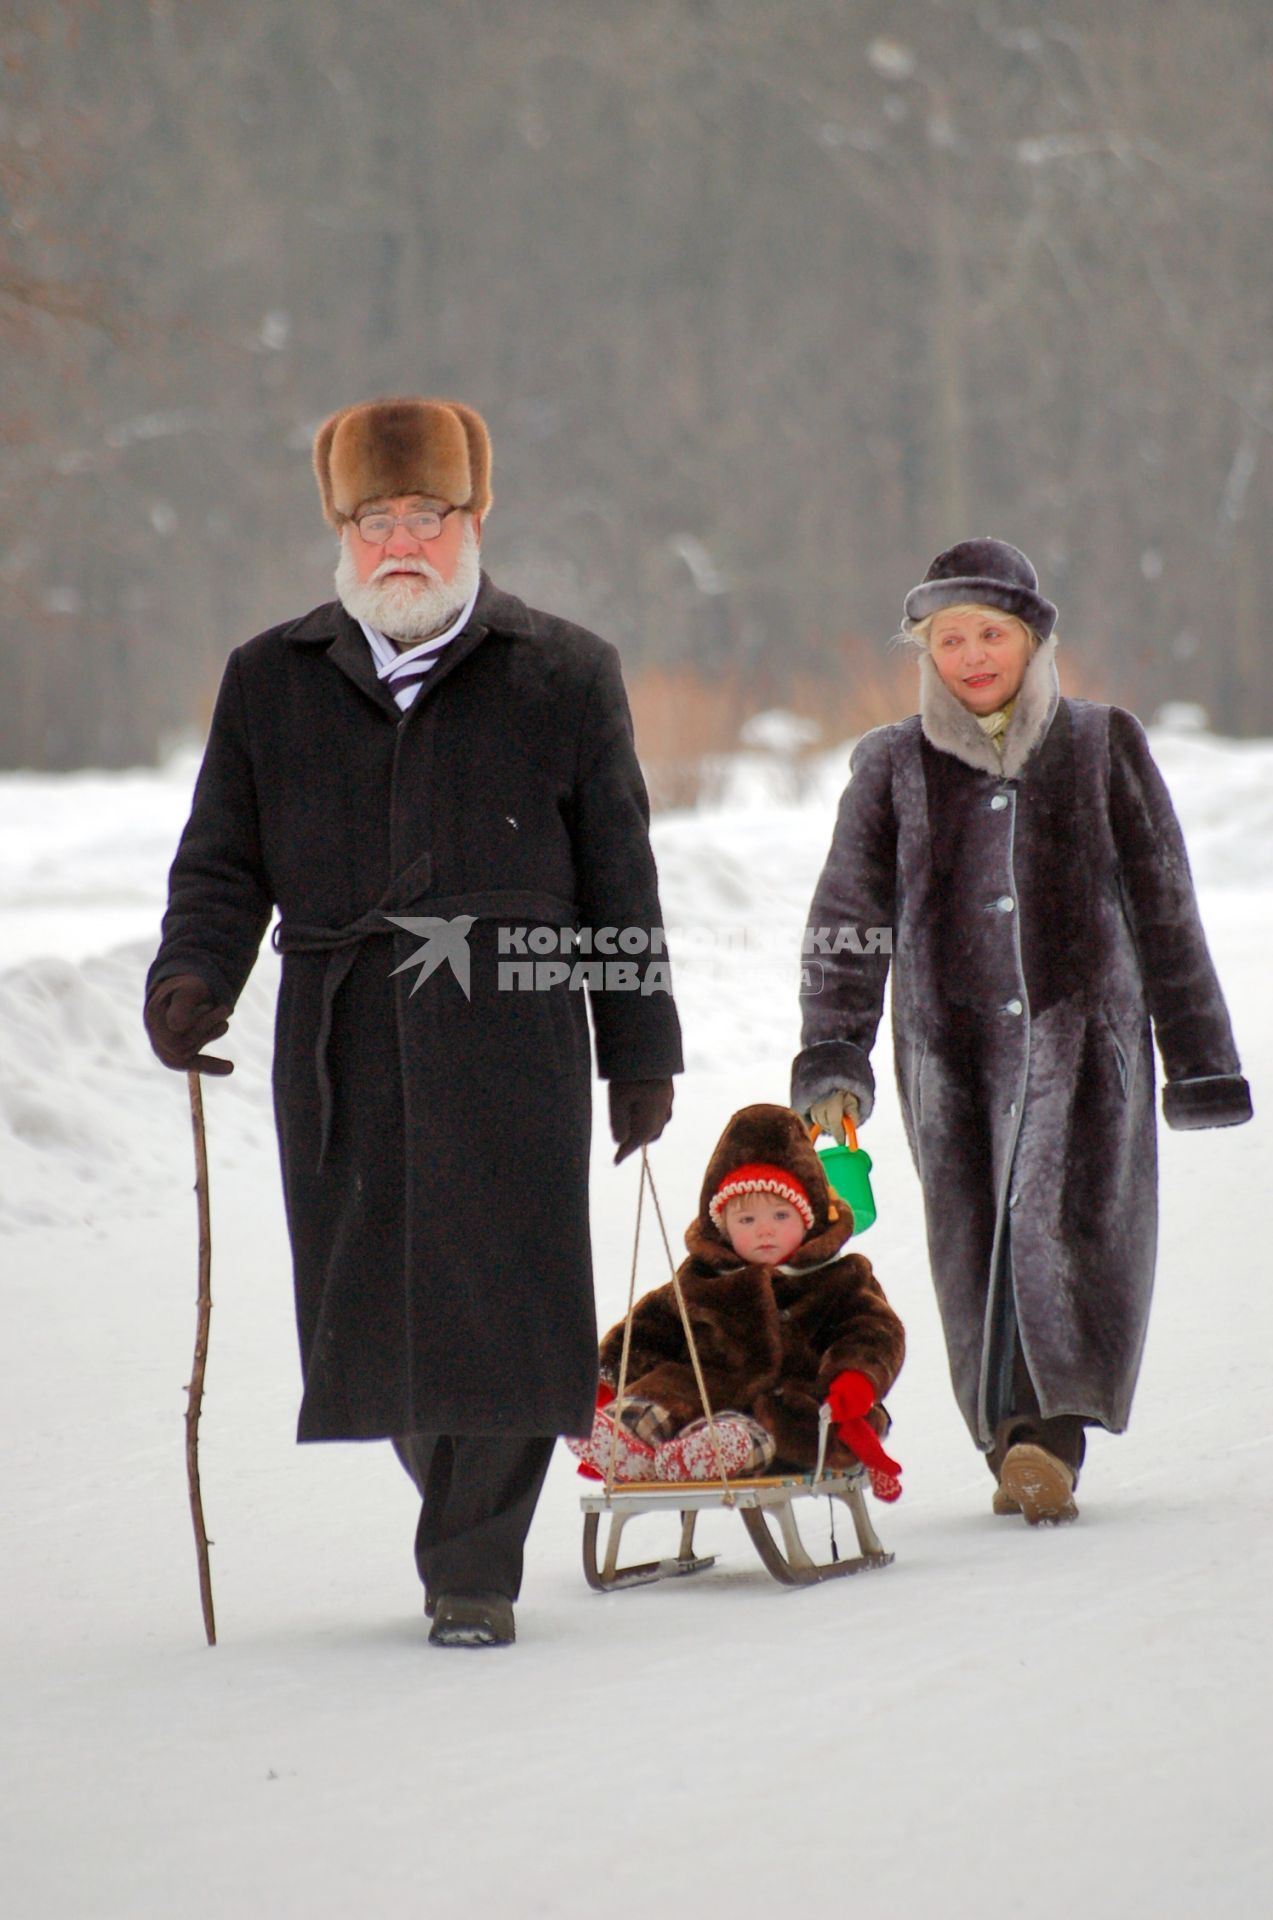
[{"x": 981, "y": 655}]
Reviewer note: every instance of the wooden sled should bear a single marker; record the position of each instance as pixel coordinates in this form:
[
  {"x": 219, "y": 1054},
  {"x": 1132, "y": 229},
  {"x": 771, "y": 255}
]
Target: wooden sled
[{"x": 756, "y": 1501}]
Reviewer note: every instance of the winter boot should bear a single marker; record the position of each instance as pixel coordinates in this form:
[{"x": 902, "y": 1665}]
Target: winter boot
[
  {"x": 745, "y": 1448},
  {"x": 634, "y": 1460},
  {"x": 472, "y": 1620},
  {"x": 1034, "y": 1482}
]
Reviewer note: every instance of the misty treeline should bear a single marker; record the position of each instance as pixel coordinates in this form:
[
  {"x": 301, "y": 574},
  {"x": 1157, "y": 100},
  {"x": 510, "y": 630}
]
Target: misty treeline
[{"x": 765, "y": 302}]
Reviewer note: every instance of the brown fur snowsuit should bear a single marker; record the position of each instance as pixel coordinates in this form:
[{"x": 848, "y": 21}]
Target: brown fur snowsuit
[{"x": 770, "y": 1339}]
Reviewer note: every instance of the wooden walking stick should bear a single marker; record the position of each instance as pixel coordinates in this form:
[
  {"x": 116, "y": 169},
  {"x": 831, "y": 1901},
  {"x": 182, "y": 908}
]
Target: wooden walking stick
[{"x": 194, "y": 1392}]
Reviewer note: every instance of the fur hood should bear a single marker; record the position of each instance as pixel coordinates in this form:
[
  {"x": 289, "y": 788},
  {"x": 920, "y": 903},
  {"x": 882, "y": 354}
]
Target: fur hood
[
  {"x": 951, "y": 728},
  {"x": 775, "y": 1136}
]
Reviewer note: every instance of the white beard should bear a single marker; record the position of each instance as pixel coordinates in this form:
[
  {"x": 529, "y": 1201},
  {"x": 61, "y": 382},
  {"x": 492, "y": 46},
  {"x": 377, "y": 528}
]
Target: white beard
[{"x": 409, "y": 614}]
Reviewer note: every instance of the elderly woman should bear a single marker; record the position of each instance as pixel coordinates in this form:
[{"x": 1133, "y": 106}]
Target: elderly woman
[{"x": 1023, "y": 850}]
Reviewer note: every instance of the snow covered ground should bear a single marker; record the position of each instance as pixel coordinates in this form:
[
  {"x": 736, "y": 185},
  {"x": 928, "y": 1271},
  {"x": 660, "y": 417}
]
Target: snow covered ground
[{"x": 1033, "y": 1725}]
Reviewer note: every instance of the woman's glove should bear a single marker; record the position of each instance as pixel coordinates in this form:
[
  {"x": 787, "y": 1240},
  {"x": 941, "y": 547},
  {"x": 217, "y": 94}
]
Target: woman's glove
[
  {"x": 850, "y": 1397},
  {"x": 830, "y": 1114}
]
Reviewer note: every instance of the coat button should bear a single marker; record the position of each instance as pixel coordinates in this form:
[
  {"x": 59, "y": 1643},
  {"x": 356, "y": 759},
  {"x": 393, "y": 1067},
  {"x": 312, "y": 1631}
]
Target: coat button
[
  {"x": 1012, "y": 1110},
  {"x": 1013, "y": 1198},
  {"x": 1005, "y": 903},
  {"x": 1014, "y": 1006},
  {"x": 999, "y": 802}
]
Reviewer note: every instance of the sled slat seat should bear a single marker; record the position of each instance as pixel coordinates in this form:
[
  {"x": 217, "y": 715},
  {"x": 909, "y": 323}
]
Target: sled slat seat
[{"x": 754, "y": 1500}]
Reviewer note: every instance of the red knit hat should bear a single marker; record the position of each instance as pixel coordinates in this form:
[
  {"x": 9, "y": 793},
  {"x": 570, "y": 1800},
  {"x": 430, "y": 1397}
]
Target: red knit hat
[{"x": 757, "y": 1177}]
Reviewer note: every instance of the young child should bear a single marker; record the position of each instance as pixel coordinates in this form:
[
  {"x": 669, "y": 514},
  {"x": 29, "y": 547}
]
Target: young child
[{"x": 784, "y": 1319}]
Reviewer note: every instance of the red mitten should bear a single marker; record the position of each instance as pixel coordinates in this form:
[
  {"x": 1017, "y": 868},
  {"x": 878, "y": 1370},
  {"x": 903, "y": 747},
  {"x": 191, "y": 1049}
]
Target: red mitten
[
  {"x": 861, "y": 1438},
  {"x": 850, "y": 1395}
]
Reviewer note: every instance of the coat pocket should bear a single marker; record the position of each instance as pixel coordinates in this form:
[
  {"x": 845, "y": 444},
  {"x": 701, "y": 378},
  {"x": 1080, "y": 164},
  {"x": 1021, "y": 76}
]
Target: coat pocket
[
  {"x": 917, "y": 1084},
  {"x": 910, "y": 1077},
  {"x": 1121, "y": 1060}
]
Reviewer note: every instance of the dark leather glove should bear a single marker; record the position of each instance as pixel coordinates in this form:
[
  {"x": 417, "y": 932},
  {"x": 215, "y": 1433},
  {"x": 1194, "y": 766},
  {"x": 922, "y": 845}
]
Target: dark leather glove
[
  {"x": 639, "y": 1111},
  {"x": 181, "y": 1019}
]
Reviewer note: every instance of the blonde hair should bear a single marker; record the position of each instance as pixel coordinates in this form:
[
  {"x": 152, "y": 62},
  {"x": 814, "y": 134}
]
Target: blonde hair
[{"x": 916, "y": 633}]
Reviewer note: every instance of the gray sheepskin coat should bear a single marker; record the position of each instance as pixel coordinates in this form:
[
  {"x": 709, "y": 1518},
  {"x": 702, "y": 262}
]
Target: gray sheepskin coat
[{"x": 1042, "y": 915}]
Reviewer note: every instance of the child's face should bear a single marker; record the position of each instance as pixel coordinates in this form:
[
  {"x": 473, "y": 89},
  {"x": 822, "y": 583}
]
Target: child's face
[{"x": 763, "y": 1228}]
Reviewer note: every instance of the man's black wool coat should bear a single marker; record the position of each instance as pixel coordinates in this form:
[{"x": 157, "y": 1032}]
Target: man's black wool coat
[{"x": 434, "y": 1146}]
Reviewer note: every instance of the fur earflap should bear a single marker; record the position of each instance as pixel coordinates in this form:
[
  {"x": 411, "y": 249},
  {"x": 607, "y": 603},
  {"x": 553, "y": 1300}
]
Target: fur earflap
[
  {"x": 951, "y": 728},
  {"x": 383, "y": 448}
]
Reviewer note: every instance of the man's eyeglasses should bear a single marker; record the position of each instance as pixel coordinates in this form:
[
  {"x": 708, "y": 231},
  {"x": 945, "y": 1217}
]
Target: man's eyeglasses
[{"x": 424, "y": 524}]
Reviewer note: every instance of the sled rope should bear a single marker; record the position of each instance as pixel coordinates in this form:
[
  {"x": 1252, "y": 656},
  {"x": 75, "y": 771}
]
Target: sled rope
[
  {"x": 194, "y": 1392},
  {"x": 647, "y": 1174},
  {"x": 612, "y": 1463}
]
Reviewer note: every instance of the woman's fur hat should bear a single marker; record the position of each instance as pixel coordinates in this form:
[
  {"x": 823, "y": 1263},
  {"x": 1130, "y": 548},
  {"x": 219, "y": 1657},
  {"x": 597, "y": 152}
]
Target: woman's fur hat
[
  {"x": 983, "y": 573},
  {"x": 383, "y": 448}
]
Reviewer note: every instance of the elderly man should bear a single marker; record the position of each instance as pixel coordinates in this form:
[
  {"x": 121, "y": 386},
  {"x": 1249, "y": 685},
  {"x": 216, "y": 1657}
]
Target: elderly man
[{"x": 436, "y": 787}]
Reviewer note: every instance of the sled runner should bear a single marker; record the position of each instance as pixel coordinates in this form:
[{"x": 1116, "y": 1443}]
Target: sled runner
[
  {"x": 758, "y": 1500},
  {"x": 757, "y": 1503}
]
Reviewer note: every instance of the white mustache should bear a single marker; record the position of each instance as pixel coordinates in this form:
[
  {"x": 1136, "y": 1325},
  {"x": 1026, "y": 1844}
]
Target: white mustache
[{"x": 388, "y": 567}]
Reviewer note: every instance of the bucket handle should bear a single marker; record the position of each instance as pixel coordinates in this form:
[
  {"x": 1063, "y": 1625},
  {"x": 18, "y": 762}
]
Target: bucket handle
[{"x": 850, "y": 1133}]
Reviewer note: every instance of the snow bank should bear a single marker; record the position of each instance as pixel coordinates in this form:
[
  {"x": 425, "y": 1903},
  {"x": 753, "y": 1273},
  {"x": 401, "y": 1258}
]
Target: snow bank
[{"x": 1223, "y": 792}]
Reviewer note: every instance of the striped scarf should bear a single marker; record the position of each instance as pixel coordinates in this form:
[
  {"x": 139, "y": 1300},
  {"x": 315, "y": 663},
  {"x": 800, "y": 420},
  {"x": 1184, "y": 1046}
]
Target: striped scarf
[{"x": 403, "y": 671}]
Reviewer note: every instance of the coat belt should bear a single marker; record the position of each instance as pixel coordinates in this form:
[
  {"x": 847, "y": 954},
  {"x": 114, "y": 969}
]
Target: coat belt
[{"x": 406, "y": 892}]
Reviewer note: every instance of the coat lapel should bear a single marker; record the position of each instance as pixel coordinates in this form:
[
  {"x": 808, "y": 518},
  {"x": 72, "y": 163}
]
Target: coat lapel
[
  {"x": 493, "y": 612},
  {"x": 349, "y": 652}
]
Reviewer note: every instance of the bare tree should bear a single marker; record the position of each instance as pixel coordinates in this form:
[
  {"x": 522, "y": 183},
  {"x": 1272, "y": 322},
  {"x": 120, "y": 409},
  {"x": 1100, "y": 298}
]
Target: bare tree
[{"x": 767, "y": 300}]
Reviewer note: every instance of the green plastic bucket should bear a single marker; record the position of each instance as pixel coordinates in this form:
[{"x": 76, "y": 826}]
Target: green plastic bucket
[{"x": 848, "y": 1171}]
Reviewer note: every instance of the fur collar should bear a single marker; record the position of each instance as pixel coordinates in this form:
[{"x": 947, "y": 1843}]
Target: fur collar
[
  {"x": 814, "y": 1266},
  {"x": 949, "y": 726}
]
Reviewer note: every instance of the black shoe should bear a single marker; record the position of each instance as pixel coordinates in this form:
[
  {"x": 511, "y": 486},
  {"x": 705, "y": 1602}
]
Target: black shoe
[{"x": 472, "y": 1620}]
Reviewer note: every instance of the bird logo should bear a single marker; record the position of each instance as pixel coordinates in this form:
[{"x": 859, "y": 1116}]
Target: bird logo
[{"x": 444, "y": 940}]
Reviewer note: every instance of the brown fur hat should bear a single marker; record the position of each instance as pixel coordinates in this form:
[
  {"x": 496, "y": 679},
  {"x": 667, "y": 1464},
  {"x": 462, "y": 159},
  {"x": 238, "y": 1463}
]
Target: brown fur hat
[
  {"x": 775, "y": 1136},
  {"x": 382, "y": 448}
]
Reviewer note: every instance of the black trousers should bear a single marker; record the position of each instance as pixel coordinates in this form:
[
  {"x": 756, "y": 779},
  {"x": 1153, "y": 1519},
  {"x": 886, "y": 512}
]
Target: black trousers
[{"x": 479, "y": 1494}]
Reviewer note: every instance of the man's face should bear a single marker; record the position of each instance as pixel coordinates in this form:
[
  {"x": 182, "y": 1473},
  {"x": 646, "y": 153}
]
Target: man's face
[
  {"x": 404, "y": 586},
  {"x": 403, "y": 559}
]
